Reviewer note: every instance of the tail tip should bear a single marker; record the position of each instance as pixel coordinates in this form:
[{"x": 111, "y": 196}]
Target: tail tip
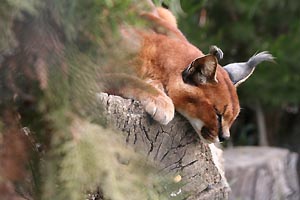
[
  {"x": 266, "y": 54},
  {"x": 262, "y": 56}
]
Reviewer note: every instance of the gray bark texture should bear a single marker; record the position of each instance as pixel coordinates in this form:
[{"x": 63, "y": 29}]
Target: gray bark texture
[
  {"x": 262, "y": 173},
  {"x": 175, "y": 148}
]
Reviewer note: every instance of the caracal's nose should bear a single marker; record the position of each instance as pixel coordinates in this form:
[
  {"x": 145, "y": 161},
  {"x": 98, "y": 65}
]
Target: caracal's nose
[{"x": 225, "y": 135}]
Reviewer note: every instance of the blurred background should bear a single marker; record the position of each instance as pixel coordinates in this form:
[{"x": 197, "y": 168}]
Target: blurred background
[{"x": 45, "y": 46}]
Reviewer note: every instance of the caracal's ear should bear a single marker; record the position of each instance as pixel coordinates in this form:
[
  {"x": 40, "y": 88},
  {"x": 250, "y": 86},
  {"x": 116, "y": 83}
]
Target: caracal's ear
[
  {"x": 240, "y": 72},
  {"x": 201, "y": 71}
]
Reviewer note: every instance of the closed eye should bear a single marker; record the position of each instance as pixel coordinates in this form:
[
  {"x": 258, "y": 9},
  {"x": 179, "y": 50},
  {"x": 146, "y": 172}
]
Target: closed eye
[
  {"x": 220, "y": 118},
  {"x": 220, "y": 113}
]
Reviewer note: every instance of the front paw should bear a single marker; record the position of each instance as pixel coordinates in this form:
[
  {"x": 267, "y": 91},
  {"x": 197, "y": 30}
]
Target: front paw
[{"x": 161, "y": 108}]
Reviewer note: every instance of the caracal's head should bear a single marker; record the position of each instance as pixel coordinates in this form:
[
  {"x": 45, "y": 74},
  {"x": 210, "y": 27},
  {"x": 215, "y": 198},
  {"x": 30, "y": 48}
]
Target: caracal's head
[{"x": 207, "y": 95}]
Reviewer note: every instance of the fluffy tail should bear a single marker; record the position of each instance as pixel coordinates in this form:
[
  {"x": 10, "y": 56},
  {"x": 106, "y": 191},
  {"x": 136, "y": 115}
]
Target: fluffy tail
[{"x": 258, "y": 58}]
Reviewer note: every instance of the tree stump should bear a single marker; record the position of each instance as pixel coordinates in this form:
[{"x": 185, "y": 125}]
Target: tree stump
[
  {"x": 175, "y": 148},
  {"x": 262, "y": 173}
]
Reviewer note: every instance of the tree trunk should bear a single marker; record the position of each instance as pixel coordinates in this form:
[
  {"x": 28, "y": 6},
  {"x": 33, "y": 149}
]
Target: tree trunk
[
  {"x": 261, "y": 125},
  {"x": 175, "y": 148},
  {"x": 262, "y": 173}
]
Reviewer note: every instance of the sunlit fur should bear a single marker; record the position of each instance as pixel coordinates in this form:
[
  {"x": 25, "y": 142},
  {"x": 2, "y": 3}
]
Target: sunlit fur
[{"x": 163, "y": 56}]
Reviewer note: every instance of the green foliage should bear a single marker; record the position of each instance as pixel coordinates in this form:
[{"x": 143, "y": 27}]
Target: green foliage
[
  {"x": 173, "y": 5},
  {"x": 77, "y": 40},
  {"x": 100, "y": 22},
  {"x": 93, "y": 156},
  {"x": 98, "y": 157},
  {"x": 9, "y": 11}
]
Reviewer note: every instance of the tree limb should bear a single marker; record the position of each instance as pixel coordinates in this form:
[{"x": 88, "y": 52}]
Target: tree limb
[{"x": 175, "y": 147}]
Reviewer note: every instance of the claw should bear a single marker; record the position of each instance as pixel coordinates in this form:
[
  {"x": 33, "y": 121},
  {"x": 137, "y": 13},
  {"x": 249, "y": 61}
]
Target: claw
[{"x": 161, "y": 109}]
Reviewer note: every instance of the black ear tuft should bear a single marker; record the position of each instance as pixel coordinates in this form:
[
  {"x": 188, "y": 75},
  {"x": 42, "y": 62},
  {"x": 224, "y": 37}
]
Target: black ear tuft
[
  {"x": 216, "y": 51},
  {"x": 201, "y": 71}
]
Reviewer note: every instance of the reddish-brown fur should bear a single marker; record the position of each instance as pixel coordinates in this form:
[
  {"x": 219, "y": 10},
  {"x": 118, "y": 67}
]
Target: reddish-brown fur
[{"x": 163, "y": 56}]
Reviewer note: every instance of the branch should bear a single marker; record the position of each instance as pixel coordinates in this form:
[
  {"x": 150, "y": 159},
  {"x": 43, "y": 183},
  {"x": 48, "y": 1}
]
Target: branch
[{"x": 175, "y": 148}]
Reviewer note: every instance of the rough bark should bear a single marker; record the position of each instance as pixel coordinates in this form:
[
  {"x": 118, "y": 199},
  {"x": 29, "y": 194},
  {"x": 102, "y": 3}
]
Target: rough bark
[
  {"x": 262, "y": 173},
  {"x": 175, "y": 148}
]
